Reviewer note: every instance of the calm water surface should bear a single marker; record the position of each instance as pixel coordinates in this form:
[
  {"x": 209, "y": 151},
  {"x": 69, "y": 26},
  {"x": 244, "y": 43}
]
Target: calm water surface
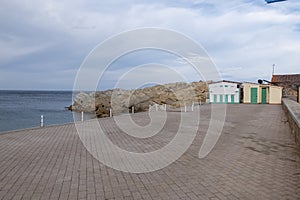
[{"x": 22, "y": 109}]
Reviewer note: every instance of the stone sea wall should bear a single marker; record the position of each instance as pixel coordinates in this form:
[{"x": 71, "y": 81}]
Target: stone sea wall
[
  {"x": 121, "y": 101},
  {"x": 292, "y": 110}
]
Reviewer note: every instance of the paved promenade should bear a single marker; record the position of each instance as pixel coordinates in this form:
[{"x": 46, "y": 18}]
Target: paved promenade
[{"x": 255, "y": 158}]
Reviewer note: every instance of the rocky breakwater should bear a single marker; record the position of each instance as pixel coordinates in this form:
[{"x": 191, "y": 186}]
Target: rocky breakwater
[{"x": 121, "y": 101}]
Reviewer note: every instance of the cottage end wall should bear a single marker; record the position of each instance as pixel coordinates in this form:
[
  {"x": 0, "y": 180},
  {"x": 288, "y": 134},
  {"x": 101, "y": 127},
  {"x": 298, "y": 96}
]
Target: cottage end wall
[{"x": 275, "y": 95}]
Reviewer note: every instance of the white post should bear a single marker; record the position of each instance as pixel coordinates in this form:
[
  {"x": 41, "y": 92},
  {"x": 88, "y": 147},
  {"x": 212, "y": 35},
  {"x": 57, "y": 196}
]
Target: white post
[
  {"x": 156, "y": 107},
  {"x": 165, "y": 107},
  {"x": 42, "y": 121},
  {"x": 132, "y": 110},
  {"x": 149, "y": 108},
  {"x": 110, "y": 112},
  {"x": 184, "y": 107},
  {"x": 193, "y": 107},
  {"x": 82, "y": 116}
]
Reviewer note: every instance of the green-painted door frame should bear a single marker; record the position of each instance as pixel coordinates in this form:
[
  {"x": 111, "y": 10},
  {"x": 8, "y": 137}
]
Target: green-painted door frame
[
  {"x": 215, "y": 98},
  {"x": 232, "y": 98},
  {"x": 264, "y": 95},
  {"x": 254, "y": 95},
  {"x": 221, "y": 98},
  {"x": 226, "y": 98}
]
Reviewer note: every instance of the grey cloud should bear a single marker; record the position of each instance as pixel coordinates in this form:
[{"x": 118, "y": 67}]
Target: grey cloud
[{"x": 51, "y": 38}]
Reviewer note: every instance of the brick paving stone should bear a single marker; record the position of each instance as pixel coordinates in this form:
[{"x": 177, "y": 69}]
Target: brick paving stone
[{"x": 255, "y": 158}]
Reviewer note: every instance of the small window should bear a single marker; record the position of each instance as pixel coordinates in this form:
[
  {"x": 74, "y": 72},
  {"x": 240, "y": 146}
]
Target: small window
[{"x": 226, "y": 85}]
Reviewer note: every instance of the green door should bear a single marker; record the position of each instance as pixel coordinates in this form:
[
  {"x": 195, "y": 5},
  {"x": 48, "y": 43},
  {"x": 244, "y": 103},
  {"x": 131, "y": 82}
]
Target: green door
[
  {"x": 232, "y": 98},
  {"x": 254, "y": 95},
  {"x": 226, "y": 98},
  {"x": 215, "y": 98},
  {"x": 264, "y": 95},
  {"x": 221, "y": 98}
]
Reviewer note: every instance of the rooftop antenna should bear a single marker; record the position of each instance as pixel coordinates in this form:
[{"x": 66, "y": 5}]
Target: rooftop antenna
[{"x": 273, "y": 69}]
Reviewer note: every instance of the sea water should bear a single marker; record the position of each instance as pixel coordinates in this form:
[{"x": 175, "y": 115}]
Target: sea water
[{"x": 23, "y": 109}]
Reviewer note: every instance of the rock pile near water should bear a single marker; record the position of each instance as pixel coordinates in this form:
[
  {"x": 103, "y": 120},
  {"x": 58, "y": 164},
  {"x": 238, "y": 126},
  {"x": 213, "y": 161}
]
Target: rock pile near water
[{"x": 121, "y": 101}]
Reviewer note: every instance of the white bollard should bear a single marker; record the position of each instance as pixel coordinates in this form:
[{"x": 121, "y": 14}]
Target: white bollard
[
  {"x": 193, "y": 107},
  {"x": 110, "y": 112},
  {"x": 132, "y": 109},
  {"x": 156, "y": 107},
  {"x": 82, "y": 116},
  {"x": 165, "y": 107},
  {"x": 42, "y": 121},
  {"x": 184, "y": 107},
  {"x": 149, "y": 108}
]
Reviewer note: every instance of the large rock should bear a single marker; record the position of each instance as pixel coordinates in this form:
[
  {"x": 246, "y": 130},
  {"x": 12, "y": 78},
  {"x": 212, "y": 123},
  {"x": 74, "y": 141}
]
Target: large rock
[{"x": 122, "y": 101}]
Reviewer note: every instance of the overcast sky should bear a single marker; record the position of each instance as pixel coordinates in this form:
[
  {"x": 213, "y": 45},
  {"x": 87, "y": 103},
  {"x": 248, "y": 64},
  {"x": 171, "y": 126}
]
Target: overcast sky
[{"x": 43, "y": 43}]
